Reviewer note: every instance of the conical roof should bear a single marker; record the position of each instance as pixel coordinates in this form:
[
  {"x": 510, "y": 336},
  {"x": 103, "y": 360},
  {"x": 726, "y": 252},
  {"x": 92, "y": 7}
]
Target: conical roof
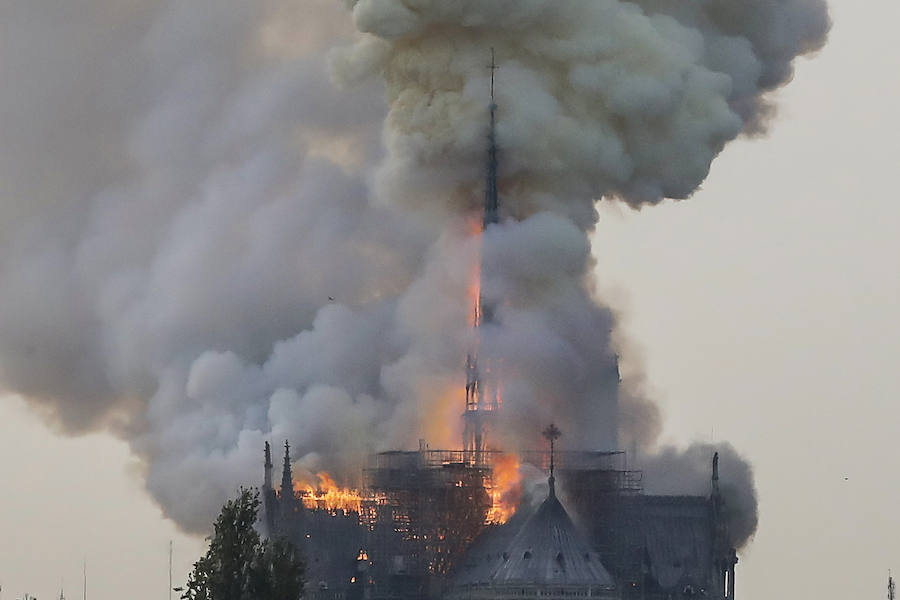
[
  {"x": 546, "y": 550},
  {"x": 486, "y": 553}
]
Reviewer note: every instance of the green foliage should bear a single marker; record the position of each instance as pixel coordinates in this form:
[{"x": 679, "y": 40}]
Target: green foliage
[{"x": 241, "y": 566}]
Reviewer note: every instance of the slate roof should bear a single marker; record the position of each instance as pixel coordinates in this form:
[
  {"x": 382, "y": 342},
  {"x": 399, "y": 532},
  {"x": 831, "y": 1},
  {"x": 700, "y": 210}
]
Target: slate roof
[
  {"x": 676, "y": 534},
  {"x": 544, "y": 548}
]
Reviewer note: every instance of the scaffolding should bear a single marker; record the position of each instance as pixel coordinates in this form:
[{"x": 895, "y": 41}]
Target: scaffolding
[{"x": 422, "y": 510}]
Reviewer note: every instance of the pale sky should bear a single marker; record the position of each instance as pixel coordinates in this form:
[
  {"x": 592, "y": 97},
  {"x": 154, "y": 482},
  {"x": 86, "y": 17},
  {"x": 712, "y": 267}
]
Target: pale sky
[
  {"x": 766, "y": 313},
  {"x": 767, "y": 310}
]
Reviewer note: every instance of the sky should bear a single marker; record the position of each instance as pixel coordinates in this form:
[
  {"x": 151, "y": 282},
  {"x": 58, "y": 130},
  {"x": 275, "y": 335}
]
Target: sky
[
  {"x": 767, "y": 311},
  {"x": 764, "y": 310}
]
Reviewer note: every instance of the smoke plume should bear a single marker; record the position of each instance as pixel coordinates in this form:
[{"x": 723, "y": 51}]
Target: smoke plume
[{"x": 207, "y": 244}]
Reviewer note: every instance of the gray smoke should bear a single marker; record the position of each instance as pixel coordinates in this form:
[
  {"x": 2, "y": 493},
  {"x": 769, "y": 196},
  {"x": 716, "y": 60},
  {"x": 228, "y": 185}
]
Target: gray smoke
[
  {"x": 186, "y": 191},
  {"x": 672, "y": 471},
  {"x": 599, "y": 99}
]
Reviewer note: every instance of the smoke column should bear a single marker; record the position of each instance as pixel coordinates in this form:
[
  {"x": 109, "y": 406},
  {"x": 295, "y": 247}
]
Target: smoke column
[{"x": 206, "y": 244}]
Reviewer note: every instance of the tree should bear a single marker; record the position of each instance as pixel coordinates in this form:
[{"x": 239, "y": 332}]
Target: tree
[{"x": 239, "y": 565}]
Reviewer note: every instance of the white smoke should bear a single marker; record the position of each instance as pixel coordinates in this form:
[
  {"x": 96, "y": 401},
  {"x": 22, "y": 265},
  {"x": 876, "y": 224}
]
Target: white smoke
[{"x": 207, "y": 245}]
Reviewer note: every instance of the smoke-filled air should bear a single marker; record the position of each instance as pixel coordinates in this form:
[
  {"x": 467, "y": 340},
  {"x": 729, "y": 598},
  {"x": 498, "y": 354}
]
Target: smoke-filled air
[{"x": 227, "y": 222}]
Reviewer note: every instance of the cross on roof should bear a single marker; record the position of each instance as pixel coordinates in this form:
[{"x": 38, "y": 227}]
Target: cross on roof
[{"x": 552, "y": 433}]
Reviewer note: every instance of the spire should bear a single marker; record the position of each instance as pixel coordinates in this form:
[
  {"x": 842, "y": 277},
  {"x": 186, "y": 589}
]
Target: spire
[
  {"x": 728, "y": 555},
  {"x": 491, "y": 195},
  {"x": 482, "y": 397},
  {"x": 717, "y": 502},
  {"x": 287, "y": 479},
  {"x": 552, "y": 433},
  {"x": 267, "y": 480},
  {"x": 715, "y": 475},
  {"x": 484, "y": 312},
  {"x": 891, "y": 588}
]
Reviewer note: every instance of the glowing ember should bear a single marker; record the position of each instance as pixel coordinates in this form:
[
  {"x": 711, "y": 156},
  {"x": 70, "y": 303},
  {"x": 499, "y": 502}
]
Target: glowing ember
[
  {"x": 327, "y": 495},
  {"x": 507, "y": 488}
]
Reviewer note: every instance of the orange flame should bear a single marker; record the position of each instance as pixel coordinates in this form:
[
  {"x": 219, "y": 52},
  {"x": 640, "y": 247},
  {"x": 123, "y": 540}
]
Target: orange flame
[
  {"x": 472, "y": 229},
  {"x": 327, "y": 495},
  {"x": 473, "y": 296},
  {"x": 506, "y": 490}
]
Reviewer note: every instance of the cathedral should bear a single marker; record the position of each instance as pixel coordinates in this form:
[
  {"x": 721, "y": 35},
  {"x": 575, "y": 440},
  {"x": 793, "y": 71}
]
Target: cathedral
[
  {"x": 430, "y": 524},
  {"x": 422, "y": 530}
]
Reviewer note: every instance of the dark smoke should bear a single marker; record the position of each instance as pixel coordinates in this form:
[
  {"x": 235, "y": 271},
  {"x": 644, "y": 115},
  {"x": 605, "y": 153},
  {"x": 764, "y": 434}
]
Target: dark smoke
[{"x": 674, "y": 471}]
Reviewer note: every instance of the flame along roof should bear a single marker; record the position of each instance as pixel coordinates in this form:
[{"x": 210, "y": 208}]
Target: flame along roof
[{"x": 544, "y": 548}]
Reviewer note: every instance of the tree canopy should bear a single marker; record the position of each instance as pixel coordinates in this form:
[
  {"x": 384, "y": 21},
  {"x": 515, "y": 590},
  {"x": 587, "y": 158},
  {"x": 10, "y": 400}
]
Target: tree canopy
[{"x": 239, "y": 565}]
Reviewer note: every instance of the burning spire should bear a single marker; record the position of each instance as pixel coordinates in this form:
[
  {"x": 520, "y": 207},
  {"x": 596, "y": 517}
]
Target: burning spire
[{"x": 482, "y": 397}]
